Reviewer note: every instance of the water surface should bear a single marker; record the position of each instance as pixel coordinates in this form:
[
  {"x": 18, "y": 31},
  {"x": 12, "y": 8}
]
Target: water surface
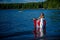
[{"x": 18, "y": 24}]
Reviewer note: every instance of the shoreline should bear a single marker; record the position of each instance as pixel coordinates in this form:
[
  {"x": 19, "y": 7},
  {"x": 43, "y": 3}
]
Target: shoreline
[{"x": 33, "y": 9}]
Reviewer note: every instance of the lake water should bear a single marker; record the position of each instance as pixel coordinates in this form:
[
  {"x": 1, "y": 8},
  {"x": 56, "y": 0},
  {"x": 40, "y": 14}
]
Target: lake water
[{"x": 18, "y": 24}]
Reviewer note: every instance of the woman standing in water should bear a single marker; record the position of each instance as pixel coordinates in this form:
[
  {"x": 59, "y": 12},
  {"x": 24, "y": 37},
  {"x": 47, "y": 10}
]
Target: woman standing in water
[{"x": 40, "y": 26}]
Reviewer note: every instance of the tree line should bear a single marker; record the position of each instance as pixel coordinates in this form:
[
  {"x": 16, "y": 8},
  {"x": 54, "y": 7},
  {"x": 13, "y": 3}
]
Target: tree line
[
  {"x": 49, "y": 4},
  {"x": 20, "y": 6}
]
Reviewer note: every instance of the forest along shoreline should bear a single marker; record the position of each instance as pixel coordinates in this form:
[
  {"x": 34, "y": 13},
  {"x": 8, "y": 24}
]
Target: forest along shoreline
[{"x": 49, "y": 4}]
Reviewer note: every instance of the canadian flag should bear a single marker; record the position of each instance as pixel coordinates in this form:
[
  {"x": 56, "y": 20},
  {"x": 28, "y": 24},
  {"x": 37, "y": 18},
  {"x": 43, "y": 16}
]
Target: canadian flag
[{"x": 39, "y": 27}]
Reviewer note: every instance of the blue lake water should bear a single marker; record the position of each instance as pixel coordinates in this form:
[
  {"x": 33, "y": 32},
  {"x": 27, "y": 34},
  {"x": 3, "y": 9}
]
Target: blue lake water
[{"x": 18, "y": 24}]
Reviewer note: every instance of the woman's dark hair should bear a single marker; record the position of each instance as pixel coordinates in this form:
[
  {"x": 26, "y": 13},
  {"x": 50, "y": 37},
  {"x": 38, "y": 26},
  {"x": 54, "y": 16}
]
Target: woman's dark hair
[{"x": 42, "y": 14}]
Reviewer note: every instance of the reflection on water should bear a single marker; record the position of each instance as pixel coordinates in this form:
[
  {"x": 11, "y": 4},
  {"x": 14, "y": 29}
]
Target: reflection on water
[{"x": 15, "y": 25}]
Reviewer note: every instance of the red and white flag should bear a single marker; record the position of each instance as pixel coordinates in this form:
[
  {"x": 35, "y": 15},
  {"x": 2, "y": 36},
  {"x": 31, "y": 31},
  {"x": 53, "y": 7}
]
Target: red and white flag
[{"x": 39, "y": 27}]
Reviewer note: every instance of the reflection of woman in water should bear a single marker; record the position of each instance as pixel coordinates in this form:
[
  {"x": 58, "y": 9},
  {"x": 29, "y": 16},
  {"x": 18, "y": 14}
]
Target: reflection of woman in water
[{"x": 40, "y": 26}]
